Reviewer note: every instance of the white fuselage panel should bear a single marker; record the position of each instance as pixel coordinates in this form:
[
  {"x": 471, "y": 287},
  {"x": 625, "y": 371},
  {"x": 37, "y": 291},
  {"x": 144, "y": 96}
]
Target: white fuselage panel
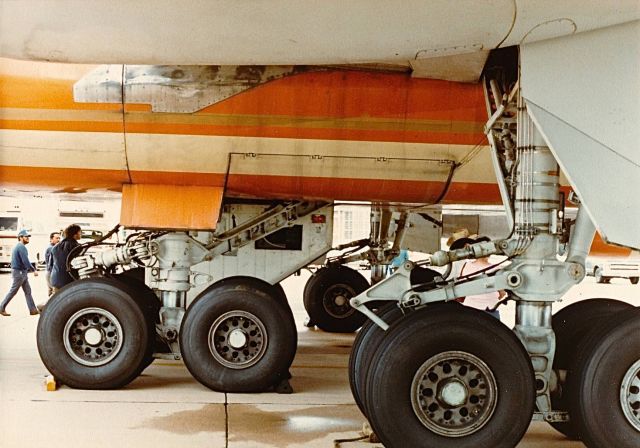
[
  {"x": 273, "y": 32},
  {"x": 583, "y": 93}
]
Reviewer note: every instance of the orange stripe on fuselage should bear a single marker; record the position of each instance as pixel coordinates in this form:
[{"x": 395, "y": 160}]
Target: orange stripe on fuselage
[
  {"x": 347, "y": 189},
  {"x": 388, "y": 107},
  {"x": 355, "y": 94},
  {"x": 43, "y": 93},
  {"x": 350, "y": 189},
  {"x": 69, "y": 126},
  {"x": 249, "y": 185},
  {"x": 376, "y": 135}
]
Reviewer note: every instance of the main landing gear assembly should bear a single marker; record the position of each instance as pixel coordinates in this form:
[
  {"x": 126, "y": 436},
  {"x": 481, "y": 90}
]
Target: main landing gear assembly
[
  {"x": 238, "y": 335},
  {"x": 429, "y": 372}
]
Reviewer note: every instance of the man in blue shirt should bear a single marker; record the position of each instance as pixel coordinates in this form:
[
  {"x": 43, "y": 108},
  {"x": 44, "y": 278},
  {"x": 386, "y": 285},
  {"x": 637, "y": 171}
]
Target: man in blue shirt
[
  {"x": 20, "y": 268},
  {"x": 54, "y": 239}
]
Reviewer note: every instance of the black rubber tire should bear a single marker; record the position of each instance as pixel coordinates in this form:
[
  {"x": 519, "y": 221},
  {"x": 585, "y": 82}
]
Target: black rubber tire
[
  {"x": 255, "y": 284},
  {"x": 101, "y": 293},
  {"x": 603, "y": 357},
  {"x": 135, "y": 275},
  {"x": 272, "y": 366},
  {"x": 276, "y": 290},
  {"x": 318, "y": 297},
  {"x": 144, "y": 296},
  {"x": 634, "y": 280},
  {"x": 570, "y": 325},
  {"x": 368, "y": 338},
  {"x": 438, "y": 329},
  {"x": 150, "y": 306},
  {"x": 364, "y": 346},
  {"x": 279, "y": 291}
]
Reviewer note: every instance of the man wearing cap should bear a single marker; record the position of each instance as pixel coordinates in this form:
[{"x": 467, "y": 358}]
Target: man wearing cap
[{"x": 20, "y": 268}]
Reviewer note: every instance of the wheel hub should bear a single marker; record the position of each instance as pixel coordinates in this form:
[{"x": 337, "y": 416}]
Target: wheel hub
[
  {"x": 238, "y": 339},
  {"x": 454, "y": 394},
  {"x": 340, "y": 300},
  {"x": 630, "y": 395},
  {"x": 93, "y": 336},
  {"x": 336, "y": 300}
]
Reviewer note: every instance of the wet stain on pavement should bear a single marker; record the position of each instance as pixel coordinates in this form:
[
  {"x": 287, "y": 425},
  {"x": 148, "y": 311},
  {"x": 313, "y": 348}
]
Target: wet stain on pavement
[
  {"x": 210, "y": 418},
  {"x": 282, "y": 426},
  {"x": 265, "y": 424}
]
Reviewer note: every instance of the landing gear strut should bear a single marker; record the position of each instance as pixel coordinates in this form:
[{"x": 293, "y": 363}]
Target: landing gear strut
[{"x": 444, "y": 375}]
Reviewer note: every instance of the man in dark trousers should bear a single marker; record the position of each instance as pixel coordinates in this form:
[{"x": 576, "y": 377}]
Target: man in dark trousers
[
  {"x": 54, "y": 239},
  {"x": 58, "y": 260},
  {"x": 20, "y": 268}
]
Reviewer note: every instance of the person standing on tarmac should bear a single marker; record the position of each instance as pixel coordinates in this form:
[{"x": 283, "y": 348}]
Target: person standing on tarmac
[
  {"x": 20, "y": 268},
  {"x": 54, "y": 239},
  {"x": 486, "y": 301},
  {"x": 59, "y": 253}
]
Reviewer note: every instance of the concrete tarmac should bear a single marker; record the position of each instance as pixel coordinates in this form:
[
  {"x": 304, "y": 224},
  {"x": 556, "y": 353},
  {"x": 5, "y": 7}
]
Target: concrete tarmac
[{"x": 166, "y": 407}]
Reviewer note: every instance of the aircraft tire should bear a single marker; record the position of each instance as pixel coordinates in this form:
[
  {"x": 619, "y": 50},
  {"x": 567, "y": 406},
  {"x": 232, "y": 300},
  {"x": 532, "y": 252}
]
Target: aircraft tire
[
  {"x": 241, "y": 282},
  {"x": 450, "y": 364},
  {"x": 605, "y": 399},
  {"x": 105, "y": 339},
  {"x": 634, "y": 280},
  {"x": 327, "y": 295},
  {"x": 144, "y": 296},
  {"x": 364, "y": 346},
  {"x": 238, "y": 339},
  {"x": 150, "y": 305},
  {"x": 368, "y": 338},
  {"x": 570, "y": 325}
]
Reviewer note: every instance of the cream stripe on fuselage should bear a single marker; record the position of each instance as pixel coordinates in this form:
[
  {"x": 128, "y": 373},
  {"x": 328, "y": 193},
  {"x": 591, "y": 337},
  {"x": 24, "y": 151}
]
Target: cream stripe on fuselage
[{"x": 210, "y": 154}]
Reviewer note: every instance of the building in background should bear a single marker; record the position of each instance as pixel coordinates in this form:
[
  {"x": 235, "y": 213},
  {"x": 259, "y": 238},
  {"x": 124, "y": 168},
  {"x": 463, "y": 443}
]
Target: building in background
[
  {"x": 351, "y": 222},
  {"x": 43, "y": 214}
]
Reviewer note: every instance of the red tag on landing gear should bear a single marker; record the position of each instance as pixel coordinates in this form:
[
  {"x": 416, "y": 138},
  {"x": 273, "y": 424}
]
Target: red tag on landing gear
[{"x": 318, "y": 219}]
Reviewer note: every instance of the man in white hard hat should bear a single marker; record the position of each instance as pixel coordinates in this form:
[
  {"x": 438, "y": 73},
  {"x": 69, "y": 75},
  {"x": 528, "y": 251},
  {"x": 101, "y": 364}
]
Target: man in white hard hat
[{"x": 20, "y": 268}]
